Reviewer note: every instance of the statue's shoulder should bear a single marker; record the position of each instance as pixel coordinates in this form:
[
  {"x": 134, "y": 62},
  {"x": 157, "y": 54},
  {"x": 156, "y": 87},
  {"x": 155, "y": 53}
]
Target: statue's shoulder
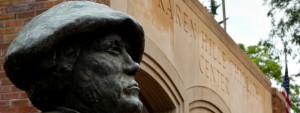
[
  {"x": 53, "y": 112},
  {"x": 62, "y": 110}
]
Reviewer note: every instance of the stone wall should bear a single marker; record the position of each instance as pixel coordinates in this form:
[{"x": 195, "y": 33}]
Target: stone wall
[{"x": 196, "y": 63}]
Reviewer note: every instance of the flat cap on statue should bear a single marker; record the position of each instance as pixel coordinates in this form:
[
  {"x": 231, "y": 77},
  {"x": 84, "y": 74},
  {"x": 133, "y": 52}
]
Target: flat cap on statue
[{"x": 53, "y": 26}]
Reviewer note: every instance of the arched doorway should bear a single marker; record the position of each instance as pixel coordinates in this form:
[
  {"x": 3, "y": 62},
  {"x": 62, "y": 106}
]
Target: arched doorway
[
  {"x": 153, "y": 96},
  {"x": 162, "y": 89}
]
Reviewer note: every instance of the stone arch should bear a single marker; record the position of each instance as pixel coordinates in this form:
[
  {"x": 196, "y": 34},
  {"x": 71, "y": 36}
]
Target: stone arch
[
  {"x": 153, "y": 95},
  {"x": 203, "y": 107},
  {"x": 157, "y": 78},
  {"x": 205, "y": 100}
]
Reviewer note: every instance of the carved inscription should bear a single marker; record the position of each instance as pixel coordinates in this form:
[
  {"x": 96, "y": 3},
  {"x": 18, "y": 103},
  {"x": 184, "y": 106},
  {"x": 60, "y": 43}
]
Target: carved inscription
[
  {"x": 213, "y": 62},
  {"x": 166, "y": 6},
  {"x": 185, "y": 22},
  {"x": 178, "y": 11},
  {"x": 244, "y": 81},
  {"x": 181, "y": 17},
  {"x": 207, "y": 64},
  {"x": 215, "y": 65}
]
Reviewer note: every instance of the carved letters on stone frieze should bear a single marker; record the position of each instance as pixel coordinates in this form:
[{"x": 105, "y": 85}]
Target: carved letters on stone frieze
[{"x": 214, "y": 64}]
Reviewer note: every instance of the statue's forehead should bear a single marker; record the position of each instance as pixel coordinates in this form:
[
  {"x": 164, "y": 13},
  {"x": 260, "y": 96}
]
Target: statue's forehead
[{"x": 106, "y": 38}]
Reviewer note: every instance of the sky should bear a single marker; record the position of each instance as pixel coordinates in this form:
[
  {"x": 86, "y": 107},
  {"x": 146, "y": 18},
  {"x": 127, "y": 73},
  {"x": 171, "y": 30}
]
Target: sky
[
  {"x": 248, "y": 21},
  {"x": 248, "y": 24}
]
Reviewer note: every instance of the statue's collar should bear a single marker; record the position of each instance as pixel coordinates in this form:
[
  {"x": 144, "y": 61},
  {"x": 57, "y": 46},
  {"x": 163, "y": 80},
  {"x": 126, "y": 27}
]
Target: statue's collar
[
  {"x": 66, "y": 110},
  {"x": 62, "y": 110}
]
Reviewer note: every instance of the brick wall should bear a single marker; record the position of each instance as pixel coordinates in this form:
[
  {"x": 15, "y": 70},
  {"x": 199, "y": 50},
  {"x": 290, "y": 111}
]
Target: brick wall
[
  {"x": 278, "y": 103},
  {"x": 13, "y": 15}
]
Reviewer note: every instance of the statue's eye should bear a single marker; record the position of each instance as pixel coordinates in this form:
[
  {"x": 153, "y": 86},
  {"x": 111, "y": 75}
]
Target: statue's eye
[{"x": 115, "y": 47}]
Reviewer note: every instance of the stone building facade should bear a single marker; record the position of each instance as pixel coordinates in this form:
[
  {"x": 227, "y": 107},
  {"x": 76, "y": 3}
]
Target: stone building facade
[{"x": 190, "y": 64}]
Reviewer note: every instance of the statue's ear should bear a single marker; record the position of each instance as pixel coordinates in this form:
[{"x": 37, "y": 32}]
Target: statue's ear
[
  {"x": 66, "y": 57},
  {"x": 60, "y": 60}
]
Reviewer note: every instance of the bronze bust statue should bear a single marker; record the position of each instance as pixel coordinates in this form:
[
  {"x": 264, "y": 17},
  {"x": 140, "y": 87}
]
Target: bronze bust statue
[{"x": 78, "y": 57}]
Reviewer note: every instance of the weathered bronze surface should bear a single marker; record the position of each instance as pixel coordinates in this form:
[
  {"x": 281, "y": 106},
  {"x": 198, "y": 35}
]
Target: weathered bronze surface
[{"x": 78, "y": 56}]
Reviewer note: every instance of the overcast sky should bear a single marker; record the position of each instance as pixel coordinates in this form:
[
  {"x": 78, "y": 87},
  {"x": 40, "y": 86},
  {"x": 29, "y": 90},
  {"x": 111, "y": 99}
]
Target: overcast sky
[{"x": 248, "y": 21}]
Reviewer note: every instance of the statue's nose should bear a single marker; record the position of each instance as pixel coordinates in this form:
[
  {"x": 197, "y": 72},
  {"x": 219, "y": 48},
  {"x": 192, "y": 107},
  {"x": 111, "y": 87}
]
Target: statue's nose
[{"x": 130, "y": 67}]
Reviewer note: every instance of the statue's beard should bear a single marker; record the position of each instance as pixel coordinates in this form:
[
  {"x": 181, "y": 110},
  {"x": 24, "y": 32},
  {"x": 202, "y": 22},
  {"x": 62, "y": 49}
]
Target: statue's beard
[{"x": 104, "y": 97}]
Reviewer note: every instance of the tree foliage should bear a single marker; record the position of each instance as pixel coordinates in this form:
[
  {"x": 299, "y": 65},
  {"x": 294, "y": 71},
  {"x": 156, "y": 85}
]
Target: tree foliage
[
  {"x": 285, "y": 19},
  {"x": 295, "y": 95},
  {"x": 268, "y": 60},
  {"x": 213, "y": 7}
]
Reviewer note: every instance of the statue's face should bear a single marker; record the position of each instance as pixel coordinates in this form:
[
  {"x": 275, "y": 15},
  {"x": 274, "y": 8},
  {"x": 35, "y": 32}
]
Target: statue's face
[{"x": 104, "y": 78}]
